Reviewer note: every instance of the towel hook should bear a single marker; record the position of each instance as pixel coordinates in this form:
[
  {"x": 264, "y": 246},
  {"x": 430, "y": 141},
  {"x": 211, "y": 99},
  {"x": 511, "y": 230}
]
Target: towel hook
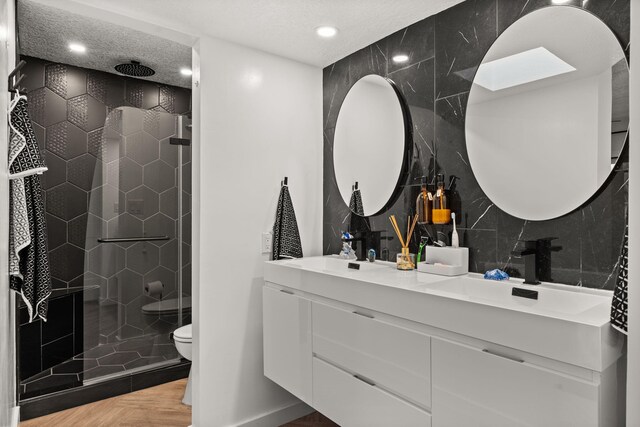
[{"x": 285, "y": 182}]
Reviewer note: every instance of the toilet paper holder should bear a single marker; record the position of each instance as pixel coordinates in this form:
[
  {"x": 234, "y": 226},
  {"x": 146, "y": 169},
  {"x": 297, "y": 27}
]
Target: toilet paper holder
[{"x": 154, "y": 289}]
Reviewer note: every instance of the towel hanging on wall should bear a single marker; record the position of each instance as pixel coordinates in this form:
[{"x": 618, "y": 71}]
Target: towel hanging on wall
[
  {"x": 355, "y": 203},
  {"x": 29, "y": 257},
  {"x": 619, "y": 302},
  {"x": 357, "y": 221},
  {"x": 286, "y": 236}
]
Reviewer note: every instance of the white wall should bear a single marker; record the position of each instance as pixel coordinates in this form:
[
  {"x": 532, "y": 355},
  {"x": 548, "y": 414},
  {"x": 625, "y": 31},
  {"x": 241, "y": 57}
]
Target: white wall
[
  {"x": 633, "y": 356},
  {"x": 7, "y": 321},
  {"x": 260, "y": 119}
]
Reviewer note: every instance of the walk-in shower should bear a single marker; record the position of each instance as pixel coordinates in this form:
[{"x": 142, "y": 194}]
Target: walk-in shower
[{"x": 136, "y": 286}]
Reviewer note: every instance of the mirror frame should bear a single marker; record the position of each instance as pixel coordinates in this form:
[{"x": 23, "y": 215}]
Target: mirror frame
[
  {"x": 615, "y": 167},
  {"x": 407, "y": 149}
]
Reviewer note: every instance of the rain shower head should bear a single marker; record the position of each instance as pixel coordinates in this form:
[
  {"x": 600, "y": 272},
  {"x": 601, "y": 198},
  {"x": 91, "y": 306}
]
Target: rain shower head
[{"x": 134, "y": 69}]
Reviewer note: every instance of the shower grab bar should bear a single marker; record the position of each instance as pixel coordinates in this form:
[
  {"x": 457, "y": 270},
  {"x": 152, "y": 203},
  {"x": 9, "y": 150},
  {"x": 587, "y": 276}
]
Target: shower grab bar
[{"x": 132, "y": 239}]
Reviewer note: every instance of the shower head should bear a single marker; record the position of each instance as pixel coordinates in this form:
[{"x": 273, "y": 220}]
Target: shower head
[{"x": 134, "y": 69}]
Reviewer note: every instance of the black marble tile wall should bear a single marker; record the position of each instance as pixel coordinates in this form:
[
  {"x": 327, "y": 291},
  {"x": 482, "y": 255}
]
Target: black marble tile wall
[{"x": 444, "y": 52}]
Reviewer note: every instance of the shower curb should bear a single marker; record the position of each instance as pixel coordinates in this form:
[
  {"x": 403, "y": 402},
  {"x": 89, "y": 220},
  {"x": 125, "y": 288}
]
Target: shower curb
[{"x": 65, "y": 399}]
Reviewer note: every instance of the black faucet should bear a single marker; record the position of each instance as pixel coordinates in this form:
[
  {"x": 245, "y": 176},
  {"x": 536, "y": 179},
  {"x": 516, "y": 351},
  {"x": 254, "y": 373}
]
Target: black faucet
[
  {"x": 363, "y": 241},
  {"x": 537, "y": 259}
]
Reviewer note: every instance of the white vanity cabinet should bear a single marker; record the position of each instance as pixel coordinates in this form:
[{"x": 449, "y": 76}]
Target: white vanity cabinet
[
  {"x": 287, "y": 341},
  {"x": 377, "y": 347}
]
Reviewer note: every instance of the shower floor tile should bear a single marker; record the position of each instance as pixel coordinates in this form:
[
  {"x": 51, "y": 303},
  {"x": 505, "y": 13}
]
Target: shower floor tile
[{"x": 104, "y": 359}]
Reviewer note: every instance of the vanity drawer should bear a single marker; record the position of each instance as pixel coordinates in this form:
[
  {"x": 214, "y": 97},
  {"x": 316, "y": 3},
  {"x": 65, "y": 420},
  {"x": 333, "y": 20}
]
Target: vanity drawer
[
  {"x": 480, "y": 387},
  {"x": 350, "y": 401},
  {"x": 394, "y": 357}
]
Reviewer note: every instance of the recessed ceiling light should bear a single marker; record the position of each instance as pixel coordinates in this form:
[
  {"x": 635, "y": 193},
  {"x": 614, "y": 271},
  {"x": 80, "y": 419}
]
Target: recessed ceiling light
[
  {"x": 186, "y": 72},
  {"x": 77, "y": 48},
  {"x": 326, "y": 31},
  {"x": 400, "y": 58}
]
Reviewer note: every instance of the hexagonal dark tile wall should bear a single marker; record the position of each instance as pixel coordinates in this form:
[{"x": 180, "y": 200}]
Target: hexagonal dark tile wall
[
  {"x": 57, "y": 173},
  {"x": 85, "y": 172},
  {"x": 142, "y": 147},
  {"x": 86, "y": 112},
  {"x": 143, "y": 257},
  {"x": 56, "y": 232},
  {"x": 169, "y": 202},
  {"x": 66, "y": 201},
  {"x": 95, "y": 145},
  {"x": 142, "y": 202},
  {"x": 160, "y": 225},
  {"x": 46, "y": 107},
  {"x": 106, "y": 260},
  {"x": 65, "y": 80},
  {"x": 169, "y": 255},
  {"x": 129, "y": 174},
  {"x": 97, "y": 85},
  {"x": 159, "y": 176},
  {"x": 77, "y": 231},
  {"x": 141, "y": 94},
  {"x": 129, "y": 285},
  {"x": 125, "y": 225},
  {"x": 106, "y": 202},
  {"x": 160, "y": 125},
  {"x": 66, "y": 140},
  {"x": 67, "y": 262}
]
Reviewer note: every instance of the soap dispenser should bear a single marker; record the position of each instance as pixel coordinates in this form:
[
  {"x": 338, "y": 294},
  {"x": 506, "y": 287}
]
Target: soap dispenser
[
  {"x": 423, "y": 203},
  {"x": 441, "y": 213}
]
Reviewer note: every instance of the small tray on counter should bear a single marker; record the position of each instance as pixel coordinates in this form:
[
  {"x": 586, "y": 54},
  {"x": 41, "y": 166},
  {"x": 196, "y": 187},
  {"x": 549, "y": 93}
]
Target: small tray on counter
[{"x": 445, "y": 261}]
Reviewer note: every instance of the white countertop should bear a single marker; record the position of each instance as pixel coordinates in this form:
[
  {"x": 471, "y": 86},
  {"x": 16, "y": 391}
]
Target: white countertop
[{"x": 567, "y": 323}]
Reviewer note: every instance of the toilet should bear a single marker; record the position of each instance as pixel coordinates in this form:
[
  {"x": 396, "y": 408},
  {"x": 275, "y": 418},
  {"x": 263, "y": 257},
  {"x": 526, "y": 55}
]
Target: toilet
[{"x": 183, "y": 340}]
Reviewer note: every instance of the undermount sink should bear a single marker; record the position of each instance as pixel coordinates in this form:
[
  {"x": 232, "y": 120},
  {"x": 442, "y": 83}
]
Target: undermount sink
[
  {"x": 335, "y": 264},
  {"x": 550, "y": 301}
]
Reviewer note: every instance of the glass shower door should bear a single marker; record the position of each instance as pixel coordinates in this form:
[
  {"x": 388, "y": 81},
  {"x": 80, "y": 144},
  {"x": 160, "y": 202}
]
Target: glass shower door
[{"x": 135, "y": 260}]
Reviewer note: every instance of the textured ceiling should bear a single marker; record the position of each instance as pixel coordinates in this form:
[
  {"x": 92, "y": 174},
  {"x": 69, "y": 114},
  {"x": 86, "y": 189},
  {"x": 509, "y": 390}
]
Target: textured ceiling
[
  {"x": 282, "y": 27},
  {"x": 46, "y": 31}
]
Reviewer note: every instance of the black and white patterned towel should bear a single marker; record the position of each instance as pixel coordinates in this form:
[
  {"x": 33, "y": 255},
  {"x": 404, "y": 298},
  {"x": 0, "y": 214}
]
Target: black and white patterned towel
[
  {"x": 619, "y": 302},
  {"x": 35, "y": 286},
  {"x": 355, "y": 203},
  {"x": 27, "y": 160},
  {"x": 286, "y": 237},
  {"x": 19, "y": 236},
  {"x": 29, "y": 256},
  {"x": 358, "y": 222}
]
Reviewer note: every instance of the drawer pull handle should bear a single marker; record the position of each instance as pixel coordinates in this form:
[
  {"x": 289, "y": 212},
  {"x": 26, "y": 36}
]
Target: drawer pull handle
[
  {"x": 503, "y": 356},
  {"x": 368, "y": 316},
  {"x": 284, "y": 291},
  {"x": 364, "y": 380}
]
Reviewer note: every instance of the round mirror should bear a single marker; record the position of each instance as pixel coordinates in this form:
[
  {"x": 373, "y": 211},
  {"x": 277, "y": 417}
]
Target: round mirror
[
  {"x": 371, "y": 145},
  {"x": 548, "y": 113}
]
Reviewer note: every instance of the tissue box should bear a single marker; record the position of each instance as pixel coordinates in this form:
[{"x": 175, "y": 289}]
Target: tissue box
[{"x": 455, "y": 260}]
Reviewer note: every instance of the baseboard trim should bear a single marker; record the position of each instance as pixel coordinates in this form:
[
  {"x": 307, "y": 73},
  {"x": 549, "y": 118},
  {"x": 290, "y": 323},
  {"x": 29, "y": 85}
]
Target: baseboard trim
[
  {"x": 15, "y": 416},
  {"x": 279, "y": 416}
]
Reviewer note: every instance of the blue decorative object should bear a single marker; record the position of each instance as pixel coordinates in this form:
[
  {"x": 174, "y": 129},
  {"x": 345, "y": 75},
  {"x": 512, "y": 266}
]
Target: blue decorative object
[
  {"x": 496, "y": 274},
  {"x": 371, "y": 255}
]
